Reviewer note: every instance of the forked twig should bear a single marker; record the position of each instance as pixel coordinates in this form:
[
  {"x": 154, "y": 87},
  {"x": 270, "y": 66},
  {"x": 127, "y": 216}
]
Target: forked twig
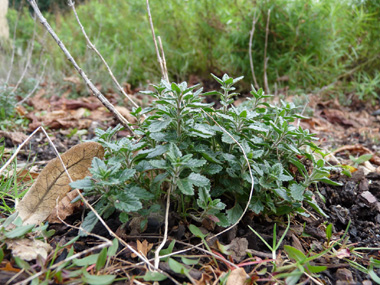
[
  {"x": 251, "y": 33},
  {"x": 92, "y": 87},
  {"x": 92, "y": 46},
  {"x": 266, "y": 86}
]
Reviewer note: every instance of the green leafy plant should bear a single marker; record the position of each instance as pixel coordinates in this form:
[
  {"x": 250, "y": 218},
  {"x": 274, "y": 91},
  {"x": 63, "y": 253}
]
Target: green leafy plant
[
  {"x": 183, "y": 150},
  {"x": 361, "y": 159}
]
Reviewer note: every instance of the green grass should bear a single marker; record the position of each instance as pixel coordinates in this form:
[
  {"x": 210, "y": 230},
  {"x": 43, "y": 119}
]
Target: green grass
[{"x": 314, "y": 43}]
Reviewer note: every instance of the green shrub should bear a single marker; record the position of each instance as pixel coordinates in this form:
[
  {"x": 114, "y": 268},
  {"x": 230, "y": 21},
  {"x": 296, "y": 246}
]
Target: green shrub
[{"x": 180, "y": 148}]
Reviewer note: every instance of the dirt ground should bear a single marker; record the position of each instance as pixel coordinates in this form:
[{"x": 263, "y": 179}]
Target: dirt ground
[{"x": 343, "y": 132}]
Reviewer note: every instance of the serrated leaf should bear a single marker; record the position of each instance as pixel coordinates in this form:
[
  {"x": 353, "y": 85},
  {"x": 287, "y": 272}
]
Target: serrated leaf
[
  {"x": 127, "y": 202},
  {"x": 52, "y": 184},
  {"x": 85, "y": 184},
  {"x": 284, "y": 177},
  {"x": 88, "y": 224},
  {"x": 126, "y": 174},
  {"x": 204, "y": 129},
  {"x": 158, "y": 150},
  {"x": 212, "y": 169},
  {"x": 297, "y": 190},
  {"x": 185, "y": 186},
  {"x": 158, "y": 164},
  {"x": 256, "y": 206},
  {"x": 195, "y": 163},
  {"x": 158, "y": 126},
  {"x": 234, "y": 214},
  {"x": 258, "y": 128},
  {"x": 140, "y": 193},
  {"x": 198, "y": 180},
  {"x": 227, "y": 139}
]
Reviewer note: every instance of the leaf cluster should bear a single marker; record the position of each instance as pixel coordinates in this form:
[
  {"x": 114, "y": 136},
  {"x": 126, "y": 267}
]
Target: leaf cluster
[{"x": 188, "y": 147}]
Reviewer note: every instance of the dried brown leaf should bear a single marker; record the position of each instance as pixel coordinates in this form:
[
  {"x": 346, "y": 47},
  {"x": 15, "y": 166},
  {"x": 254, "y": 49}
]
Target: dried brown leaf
[
  {"x": 53, "y": 184},
  {"x": 65, "y": 208},
  {"x": 28, "y": 249},
  {"x": 143, "y": 248},
  {"x": 237, "y": 277}
]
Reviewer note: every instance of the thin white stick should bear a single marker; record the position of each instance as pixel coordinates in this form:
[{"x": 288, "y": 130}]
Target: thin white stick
[
  {"x": 92, "y": 46},
  {"x": 157, "y": 253},
  {"x": 166, "y": 75},
  {"x": 90, "y": 85},
  {"x": 18, "y": 150},
  {"x": 266, "y": 86},
  {"x": 251, "y": 33},
  {"x": 154, "y": 40}
]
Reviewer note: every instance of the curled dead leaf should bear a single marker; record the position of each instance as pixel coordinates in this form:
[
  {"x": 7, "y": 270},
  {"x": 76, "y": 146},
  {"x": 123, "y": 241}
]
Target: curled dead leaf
[
  {"x": 52, "y": 184},
  {"x": 28, "y": 249},
  {"x": 237, "y": 277}
]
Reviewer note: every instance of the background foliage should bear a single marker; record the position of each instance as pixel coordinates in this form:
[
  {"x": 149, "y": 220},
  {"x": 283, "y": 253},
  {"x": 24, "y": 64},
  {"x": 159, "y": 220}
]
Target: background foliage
[{"x": 311, "y": 44}]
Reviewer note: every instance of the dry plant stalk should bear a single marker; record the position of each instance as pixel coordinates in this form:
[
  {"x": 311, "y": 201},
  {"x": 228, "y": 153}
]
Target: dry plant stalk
[
  {"x": 251, "y": 33},
  {"x": 266, "y": 86},
  {"x": 159, "y": 58},
  {"x": 90, "y": 85}
]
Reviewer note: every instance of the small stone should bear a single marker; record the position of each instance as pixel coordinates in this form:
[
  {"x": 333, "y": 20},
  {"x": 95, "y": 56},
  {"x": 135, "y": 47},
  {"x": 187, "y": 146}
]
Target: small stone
[{"x": 344, "y": 275}]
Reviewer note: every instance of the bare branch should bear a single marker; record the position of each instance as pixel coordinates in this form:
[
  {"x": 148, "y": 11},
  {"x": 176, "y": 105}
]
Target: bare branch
[
  {"x": 266, "y": 87},
  {"x": 92, "y": 87},
  {"x": 250, "y": 49}
]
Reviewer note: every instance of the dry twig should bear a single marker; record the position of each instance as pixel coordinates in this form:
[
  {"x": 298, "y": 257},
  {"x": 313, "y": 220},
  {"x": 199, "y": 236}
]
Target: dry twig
[
  {"x": 266, "y": 86},
  {"x": 92, "y": 87},
  {"x": 251, "y": 33},
  {"x": 159, "y": 58}
]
